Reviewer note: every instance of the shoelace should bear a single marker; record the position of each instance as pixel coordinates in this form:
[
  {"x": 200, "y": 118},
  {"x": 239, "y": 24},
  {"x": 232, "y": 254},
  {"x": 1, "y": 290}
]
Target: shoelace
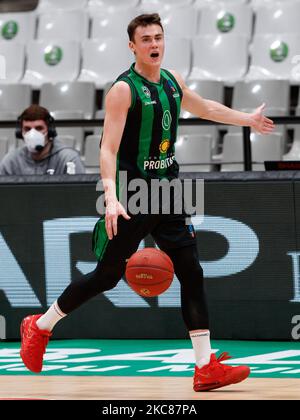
[
  {"x": 223, "y": 356},
  {"x": 217, "y": 363}
]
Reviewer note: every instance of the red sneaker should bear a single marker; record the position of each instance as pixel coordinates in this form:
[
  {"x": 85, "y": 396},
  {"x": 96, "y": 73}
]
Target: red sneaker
[
  {"x": 216, "y": 375},
  {"x": 34, "y": 342}
]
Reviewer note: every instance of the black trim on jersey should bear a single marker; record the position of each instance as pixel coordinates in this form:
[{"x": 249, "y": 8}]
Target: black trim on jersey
[
  {"x": 124, "y": 74},
  {"x": 173, "y": 108},
  {"x": 124, "y": 77},
  {"x": 129, "y": 150},
  {"x": 157, "y": 129},
  {"x": 173, "y": 169}
]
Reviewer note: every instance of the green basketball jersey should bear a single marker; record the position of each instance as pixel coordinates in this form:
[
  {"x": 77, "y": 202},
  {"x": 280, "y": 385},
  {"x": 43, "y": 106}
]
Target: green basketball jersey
[{"x": 147, "y": 148}]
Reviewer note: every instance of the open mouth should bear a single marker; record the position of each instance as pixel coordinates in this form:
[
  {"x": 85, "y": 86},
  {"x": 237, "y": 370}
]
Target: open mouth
[{"x": 154, "y": 55}]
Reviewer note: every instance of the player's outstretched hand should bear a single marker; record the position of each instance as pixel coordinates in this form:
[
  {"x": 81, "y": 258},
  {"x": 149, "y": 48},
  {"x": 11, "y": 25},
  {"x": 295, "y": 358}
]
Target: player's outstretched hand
[
  {"x": 114, "y": 209},
  {"x": 260, "y": 123}
]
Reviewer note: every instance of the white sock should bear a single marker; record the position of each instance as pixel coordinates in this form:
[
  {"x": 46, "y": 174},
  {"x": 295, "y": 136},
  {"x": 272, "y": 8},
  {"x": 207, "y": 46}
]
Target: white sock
[
  {"x": 201, "y": 345},
  {"x": 50, "y": 318}
]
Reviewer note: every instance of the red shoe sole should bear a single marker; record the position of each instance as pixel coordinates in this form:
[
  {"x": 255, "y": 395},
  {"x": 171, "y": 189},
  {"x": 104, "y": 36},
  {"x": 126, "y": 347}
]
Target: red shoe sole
[{"x": 218, "y": 385}]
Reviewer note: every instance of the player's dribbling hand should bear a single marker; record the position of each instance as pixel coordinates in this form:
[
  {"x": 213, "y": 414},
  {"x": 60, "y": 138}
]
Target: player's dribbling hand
[
  {"x": 114, "y": 209},
  {"x": 260, "y": 123}
]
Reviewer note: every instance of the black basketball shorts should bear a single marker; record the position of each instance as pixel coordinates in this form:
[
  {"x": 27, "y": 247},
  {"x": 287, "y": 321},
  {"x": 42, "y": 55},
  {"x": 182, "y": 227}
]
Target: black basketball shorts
[{"x": 169, "y": 231}]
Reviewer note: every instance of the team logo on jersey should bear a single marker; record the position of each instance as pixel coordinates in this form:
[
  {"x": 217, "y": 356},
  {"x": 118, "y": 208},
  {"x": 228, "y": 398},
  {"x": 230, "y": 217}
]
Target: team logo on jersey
[
  {"x": 164, "y": 146},
  {"x": 167, "y": 120},
  {"x": 146, "y": 91},
  {"x": 159, "y": 164},
  {"x": 147, "y": 103},
  {"x": 171, "y": 86},
  {"x": 173, "y": 89}
]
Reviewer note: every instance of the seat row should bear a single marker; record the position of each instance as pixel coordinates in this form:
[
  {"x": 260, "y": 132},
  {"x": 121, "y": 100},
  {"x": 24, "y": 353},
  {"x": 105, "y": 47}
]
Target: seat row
[
  {"x": 224, "y": 58},
  {"x": 80, "y": 97},
  {"x": 94, "y": 5},
  {"x": 78, "y": 100},
  {"x": 233, "y": 18},
  {"x": 194, "y": 153}
]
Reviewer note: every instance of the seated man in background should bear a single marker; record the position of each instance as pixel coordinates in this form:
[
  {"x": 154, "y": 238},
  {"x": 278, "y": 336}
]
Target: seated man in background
[{"x": 42, "y": 153}]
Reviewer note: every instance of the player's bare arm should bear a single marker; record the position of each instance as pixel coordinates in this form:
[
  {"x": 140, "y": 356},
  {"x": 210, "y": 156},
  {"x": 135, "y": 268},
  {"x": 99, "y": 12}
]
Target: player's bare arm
[
  {"x": 214, "y": 111},
  {"x": 117, "y": 104}
]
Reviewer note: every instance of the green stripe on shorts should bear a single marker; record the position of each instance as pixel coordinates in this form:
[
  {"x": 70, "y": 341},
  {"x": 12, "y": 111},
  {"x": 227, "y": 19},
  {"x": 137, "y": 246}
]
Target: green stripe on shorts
[{"x": 100, "y": 239}]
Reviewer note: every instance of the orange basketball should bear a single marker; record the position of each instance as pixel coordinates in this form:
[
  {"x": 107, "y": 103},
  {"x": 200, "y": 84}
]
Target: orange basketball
[{"x": 149, "y": 272}]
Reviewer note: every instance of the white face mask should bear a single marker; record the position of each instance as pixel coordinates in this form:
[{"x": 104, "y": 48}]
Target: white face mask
[{"x": 34, "y": 140}]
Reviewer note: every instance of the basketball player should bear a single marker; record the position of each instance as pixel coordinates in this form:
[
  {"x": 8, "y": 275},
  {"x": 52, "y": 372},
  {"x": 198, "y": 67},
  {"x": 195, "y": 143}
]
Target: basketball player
[{"x": 142, "y": 111}]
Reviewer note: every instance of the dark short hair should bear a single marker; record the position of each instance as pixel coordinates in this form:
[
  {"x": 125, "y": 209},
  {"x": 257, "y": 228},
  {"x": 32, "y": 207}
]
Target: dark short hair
[
  {"x": 143, "y": 20},
  {"x": 35, "y": 112}
]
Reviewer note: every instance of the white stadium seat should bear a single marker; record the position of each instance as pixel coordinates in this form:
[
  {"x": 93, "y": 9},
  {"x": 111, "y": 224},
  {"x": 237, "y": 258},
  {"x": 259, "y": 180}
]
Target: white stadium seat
[
  {"x": 256, "y": 4},
  {"x": 178, "y": 55},
  {"x": 201, "y": 130},
  {"x": 69, "y": 100},
  {"x": 294, "y": 153},
  {"x": 278, "y": 18},
  {"x": 180, "y": 22},
  {"x": 275, "y": 57},
  {"x": 52, "y": 62},
  {"x": 69, "y": 96},
  {"x": 70, "y": 25},
  {"x": 67, "y": 140},
  {"x": 14, "y": 98},
  {"x": 208, "y": 89},
  {"x": 3, "y": 147},
  {"x": 159, "y": 5},
  {"x": 221, "y": 57},
  {"x": 9, "y": 133},
  {"x": 91, "y": 154},
  {"x": 110, "y": 6},
  {"x": 76, "y": 132},
  {"x": 104, "y": 60},
  {"x": 194, "y": 153},
  {"x": 250, "y": 95},
  {"x": 264, "y": 148},
  {"x": 18, "y": 27},
  {"x": 111, "y": 25},
  {"x": 204, "y": 3},
  {"x": 13, "y": 60},
  {"x": 222, "y": 18},
  {"x": 247, "y": 96},
  {"x": 100, "y": 114},
  {"x": 47, "y": 5}
]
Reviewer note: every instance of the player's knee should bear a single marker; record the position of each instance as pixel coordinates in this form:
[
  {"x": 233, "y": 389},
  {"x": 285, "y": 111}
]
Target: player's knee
[
  {"x": 198, "y": 270},
  {"x": 108, "y": 278},
  {"x": 189, "y": 271},
  {"x": 188, "y": 264},
  {"x": 193, "y": 275},
  {"x": 108, "y": 284}
]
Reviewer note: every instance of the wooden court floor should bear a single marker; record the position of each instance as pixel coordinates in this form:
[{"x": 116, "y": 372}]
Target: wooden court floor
[{"x": 140, "y": 388}]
